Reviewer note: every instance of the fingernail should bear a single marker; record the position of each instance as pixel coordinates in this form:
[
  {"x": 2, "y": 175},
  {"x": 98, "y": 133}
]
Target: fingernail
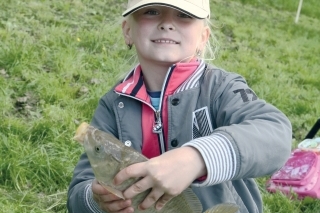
[
  {"x": 128, "y": 202},
  {"x": 159, "y": 207},
  {"x": 140, "y": 208}
]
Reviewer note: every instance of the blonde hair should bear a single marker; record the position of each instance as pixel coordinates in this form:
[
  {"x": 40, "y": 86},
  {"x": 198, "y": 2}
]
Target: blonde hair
[{"x": 211, "y": 48}]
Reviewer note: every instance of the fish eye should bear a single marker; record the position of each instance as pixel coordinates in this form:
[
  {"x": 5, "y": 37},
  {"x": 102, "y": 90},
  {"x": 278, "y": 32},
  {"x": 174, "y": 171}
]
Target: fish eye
[{"x": 98, "y": 149}]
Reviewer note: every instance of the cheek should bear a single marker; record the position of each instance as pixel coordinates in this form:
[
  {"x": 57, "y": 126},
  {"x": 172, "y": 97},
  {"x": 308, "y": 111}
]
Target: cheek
[
  {"x": 144, "y": 26},
  {"x": 192, "y": 32},
  {"x": 141, "y": 33},
  {"x": 193, "y": 39}
]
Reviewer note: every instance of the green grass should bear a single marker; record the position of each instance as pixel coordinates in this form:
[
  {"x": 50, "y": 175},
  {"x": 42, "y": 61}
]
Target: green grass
[
  {"x": 309, "y": 8},
  {"x": 57, "y": 58}
]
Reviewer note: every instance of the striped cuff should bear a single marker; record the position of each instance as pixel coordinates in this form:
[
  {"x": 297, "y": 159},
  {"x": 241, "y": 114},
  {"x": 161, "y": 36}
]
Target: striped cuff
[
  {"x": 219, "y": 157},
  {"x": 90, "y": 203}
]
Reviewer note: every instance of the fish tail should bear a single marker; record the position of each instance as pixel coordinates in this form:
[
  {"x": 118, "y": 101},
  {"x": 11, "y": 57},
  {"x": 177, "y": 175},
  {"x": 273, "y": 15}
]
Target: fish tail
[{"x": 81, "y": 132}]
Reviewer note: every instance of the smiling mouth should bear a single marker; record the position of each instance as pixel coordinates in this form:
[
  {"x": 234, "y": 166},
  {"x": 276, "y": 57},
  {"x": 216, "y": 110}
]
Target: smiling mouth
[{"x": 164, "y": 41}]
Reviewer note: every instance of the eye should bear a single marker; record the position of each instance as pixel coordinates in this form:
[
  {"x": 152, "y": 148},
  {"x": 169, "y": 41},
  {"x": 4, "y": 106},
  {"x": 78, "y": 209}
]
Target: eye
[
  {"x": 98, "y": 149},
  {"x": 151, "y": 12},
  {"x": 184, "y": 15}
]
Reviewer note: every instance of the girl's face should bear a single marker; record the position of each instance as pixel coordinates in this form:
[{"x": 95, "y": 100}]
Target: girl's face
[{"x": 165, "y": 35}]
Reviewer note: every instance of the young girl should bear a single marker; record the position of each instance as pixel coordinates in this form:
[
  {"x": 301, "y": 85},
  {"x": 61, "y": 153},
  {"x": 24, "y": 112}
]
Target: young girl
[{"x": 198, "y": 125}]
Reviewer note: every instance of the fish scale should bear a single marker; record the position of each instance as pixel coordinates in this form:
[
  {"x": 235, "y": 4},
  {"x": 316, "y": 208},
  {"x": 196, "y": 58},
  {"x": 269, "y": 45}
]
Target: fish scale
[{"x": 108, "y": 155}]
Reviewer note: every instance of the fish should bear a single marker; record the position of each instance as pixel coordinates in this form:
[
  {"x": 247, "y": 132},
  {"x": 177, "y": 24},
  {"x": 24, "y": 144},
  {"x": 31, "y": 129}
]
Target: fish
[{"x": 108, "y": 155}]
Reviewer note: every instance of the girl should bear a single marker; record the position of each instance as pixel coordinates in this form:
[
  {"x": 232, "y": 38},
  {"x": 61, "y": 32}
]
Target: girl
[{"x": 198, "y": 125}]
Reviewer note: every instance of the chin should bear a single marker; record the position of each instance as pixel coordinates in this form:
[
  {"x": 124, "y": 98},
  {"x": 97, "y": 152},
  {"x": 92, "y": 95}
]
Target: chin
[
  {"x": 168, "y": 62},
  {"x": 172, "y": 60}
]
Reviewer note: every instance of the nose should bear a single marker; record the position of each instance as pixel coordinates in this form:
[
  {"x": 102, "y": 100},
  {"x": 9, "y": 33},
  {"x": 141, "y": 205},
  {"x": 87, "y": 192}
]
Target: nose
[
  {"x": 167, "y": 23},
  {"x": 166, "y": 27}
]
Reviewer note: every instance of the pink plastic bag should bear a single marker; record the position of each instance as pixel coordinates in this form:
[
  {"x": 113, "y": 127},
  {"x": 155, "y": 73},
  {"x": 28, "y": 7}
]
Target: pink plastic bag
[{"x": 300, "y": 175}]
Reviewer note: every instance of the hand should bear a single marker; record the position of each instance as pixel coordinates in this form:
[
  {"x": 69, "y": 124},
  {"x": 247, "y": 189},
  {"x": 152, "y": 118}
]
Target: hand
[
  {"x": 168, "y": 175},
  {"x": 109, "y": 202}
]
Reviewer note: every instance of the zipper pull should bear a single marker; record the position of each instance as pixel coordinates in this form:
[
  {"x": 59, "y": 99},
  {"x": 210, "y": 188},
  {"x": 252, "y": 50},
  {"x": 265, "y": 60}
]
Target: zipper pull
[{"x": 157, "y": 126}]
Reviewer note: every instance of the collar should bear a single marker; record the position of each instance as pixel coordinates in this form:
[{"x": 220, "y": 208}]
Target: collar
[{"x": 180, "y": 76}]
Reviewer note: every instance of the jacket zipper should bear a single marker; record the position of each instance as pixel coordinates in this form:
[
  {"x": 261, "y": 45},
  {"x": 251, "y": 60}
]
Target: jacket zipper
[{"x": 157, "y": 126}]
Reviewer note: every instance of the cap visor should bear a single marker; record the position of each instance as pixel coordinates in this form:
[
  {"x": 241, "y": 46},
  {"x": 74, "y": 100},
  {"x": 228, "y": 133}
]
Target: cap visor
[{"x": 183, "y": 6}]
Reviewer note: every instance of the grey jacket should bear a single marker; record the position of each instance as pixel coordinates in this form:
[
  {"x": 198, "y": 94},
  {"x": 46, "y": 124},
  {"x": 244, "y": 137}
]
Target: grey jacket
[{"x": 240, "y": 137}]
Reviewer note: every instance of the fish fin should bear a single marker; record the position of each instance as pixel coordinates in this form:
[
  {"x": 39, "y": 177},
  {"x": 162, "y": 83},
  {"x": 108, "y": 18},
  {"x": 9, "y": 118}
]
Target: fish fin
[
  {"x": 81, "y": 132},
  {"x": 192, "y": 200},
  {"x": 223, "y": 208},
  {"x": 114, "y": 191}
]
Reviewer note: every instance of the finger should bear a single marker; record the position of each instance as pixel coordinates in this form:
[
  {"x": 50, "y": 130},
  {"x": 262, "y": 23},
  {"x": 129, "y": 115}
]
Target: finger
[
  {"x": 151, "y": 199},
  {"x": 98, "y": 189},
  {"x": 132, "y": 171},
  {"x": 138, "y": 187},
  {"x": 118, "y": 206},
  {"x": 102, "y": 194},
  {"x": 109, "y": 198},
  {"x": 163, "y": 201}
]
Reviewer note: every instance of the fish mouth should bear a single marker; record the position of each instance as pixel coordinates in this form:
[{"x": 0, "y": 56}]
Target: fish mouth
[{"x": 165, "y": 41}]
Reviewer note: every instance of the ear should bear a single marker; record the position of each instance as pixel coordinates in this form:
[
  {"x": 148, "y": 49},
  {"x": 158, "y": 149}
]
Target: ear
[
  {"x": 126, "y": 31},
  {"x": 205, "y": 35}
]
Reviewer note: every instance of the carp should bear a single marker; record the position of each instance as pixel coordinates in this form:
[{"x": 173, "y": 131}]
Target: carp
[{"x": 108, "y": 155}]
